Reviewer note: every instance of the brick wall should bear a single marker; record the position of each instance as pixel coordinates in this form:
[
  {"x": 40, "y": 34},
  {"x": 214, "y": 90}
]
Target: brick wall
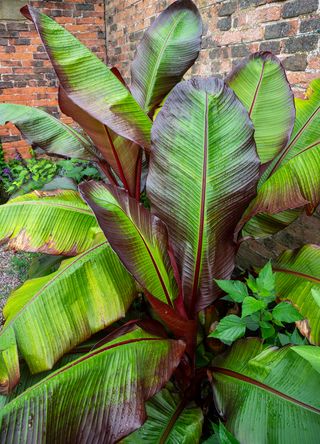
[
  {"x": 26, "y": 76},
  {"x": 232, "y": 30}
]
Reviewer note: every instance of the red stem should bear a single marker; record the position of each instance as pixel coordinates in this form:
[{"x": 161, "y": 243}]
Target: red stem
[
  {"x": 138, "y": 175},
  {"x": 119, "y": 166},
  {"x": 107, "y": 171}
]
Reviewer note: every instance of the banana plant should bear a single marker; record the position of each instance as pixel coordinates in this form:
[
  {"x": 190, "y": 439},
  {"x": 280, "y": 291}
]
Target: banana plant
[{"x": 116, "y": 345}]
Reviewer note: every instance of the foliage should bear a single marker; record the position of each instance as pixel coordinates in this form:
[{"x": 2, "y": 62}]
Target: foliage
[
  {"x": 259, "y": 310},
  {"x": 20, "y": 176},
  {"x": 189, "y": 168}
]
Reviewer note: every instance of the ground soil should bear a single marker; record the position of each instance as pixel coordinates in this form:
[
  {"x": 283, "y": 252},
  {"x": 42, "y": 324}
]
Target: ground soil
[{"x": 8, "y": 278}]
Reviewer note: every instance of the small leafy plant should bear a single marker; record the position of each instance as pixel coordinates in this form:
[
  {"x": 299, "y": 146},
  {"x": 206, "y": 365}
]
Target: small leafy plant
[
  {"x": 20, "y": 176},
  {"x": 259, "y": 311},
  {"x": 116, "y": 344}
]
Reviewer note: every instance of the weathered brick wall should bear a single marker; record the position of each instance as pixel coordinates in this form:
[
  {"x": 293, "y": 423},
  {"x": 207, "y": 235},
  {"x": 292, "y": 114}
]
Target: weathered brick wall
[
  {"x": 232, "y": 30},
  {"x": 26, "y": 76}
]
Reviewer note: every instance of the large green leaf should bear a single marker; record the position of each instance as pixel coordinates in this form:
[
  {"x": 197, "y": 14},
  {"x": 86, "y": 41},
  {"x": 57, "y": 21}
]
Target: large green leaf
[
  {"x": 170, "y": 420},
  {"x": 293, "y": 179},
  {"x": 264, "y": 225},
  {"x": 46, "y": 132},
  {"x": 98, "y": 398},
  {"x": 139, "y": 239},
  {"x": 298, "y": 280},
  {"x": 49, "y": 315},
  {"x": 269, "y": 395},
  {"x": 168, "y": 49},
  {"x": 88, "y": 81},
  {"x": 120, "y": 153},
  {"x": 203, "y": 172},
  {"x": 261, "y": 84},
  {"x": 53, "y": 222}
]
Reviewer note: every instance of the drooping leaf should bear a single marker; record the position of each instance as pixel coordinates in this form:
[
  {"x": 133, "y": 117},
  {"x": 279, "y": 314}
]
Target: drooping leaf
[
  {"x": 261, "y": 84},
  {"x": 285, "y": 312},
  {"x": 168, "y": 49},
  {"x": 293, "y": 178},
  {"x": 56, "y": 222},
  {"x": 284, "y": 380},
  {"x": 60, "y": 183},
  {"x": 89, "y": 83},
  {"x": 50, "y": 315},
  {"x": 251, "y": 305},
  {"x": 229, "y": 329},
  {"x": 139, "y": 239},
  {"x": 298, "y": 280},
  {"x": 46, "y": 132},
  {"x": 27, "y": 379},
  {"x": 100, "y": 396},
  {"x": 120, "y": 153},
  {"x": 203, "y": 172},
  {"x": 170, "y": 420},
  {"x": 236, "y": 290},
  {"x": 264, "y": 225}
]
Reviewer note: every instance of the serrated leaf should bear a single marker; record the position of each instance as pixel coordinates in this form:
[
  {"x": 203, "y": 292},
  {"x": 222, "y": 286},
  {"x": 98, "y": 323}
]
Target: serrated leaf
[
  {"x": 237, "y": 290},
  {"x": 252, "y": 322},
  {"x": 285, "y": 312},
  {"x": 251, "y": 305},
  {"x": 229, "y": 329},
  {"x": 267, "y": 329},
  {"x": 266, "y": 281}
]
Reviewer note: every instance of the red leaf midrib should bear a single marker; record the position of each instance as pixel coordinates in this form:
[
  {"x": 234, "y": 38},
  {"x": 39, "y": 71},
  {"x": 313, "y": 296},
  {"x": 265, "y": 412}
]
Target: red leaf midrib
[{"x": 249, "y": 380}]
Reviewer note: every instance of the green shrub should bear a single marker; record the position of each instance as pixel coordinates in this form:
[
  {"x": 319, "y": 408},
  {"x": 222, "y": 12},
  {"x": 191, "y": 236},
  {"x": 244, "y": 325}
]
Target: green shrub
[{"x": 129, "y": 339}]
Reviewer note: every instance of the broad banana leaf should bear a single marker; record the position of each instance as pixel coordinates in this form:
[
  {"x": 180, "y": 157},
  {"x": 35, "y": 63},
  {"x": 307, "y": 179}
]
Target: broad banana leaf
[
  {"x": 53, "y": 222},
  {"x": 27, "y": 380},
  {"x": 168, "y": 49},
  {"x": 139, "y": 239},
  {"x": 298, "y": 280},
  {"x": 88, "y": 81},
  {"x": 264, "y": 225},
  {"x": 46, "y": 132},
  {"x": 120, "y": 153},
  {"x": 98, "y": 398},
  {"x": 170, "y": 420},
  {"x": 203, "y": 173},
  {"x": 261, "y": 84},
  {"x": 293, "y": 179},
  {"x": 269, "y": 395},
  {"x": 50, "y": 315}
]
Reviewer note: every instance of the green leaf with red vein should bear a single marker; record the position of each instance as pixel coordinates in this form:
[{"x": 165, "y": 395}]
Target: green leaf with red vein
[
  {"x": 115, "y": 380},
  {"x": 297, "y": 274},
  {"x": 139, "y": 239},
  {"x": 261, "y": 84},
  {"x": 46, "y": 132},
  {"x": 293, "y": 178},
  {"x": 284, "y": 380},
  {"x": 168, "y": 49},
  {"x": 88, "y": 81},
  {"x": 51, "y": 222},
  {"x": 49, "y": 315},
  {"x": 120, "y": 153},
  {"x": 171, "y": 419},
  {"x": 203, "y": 172}
]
